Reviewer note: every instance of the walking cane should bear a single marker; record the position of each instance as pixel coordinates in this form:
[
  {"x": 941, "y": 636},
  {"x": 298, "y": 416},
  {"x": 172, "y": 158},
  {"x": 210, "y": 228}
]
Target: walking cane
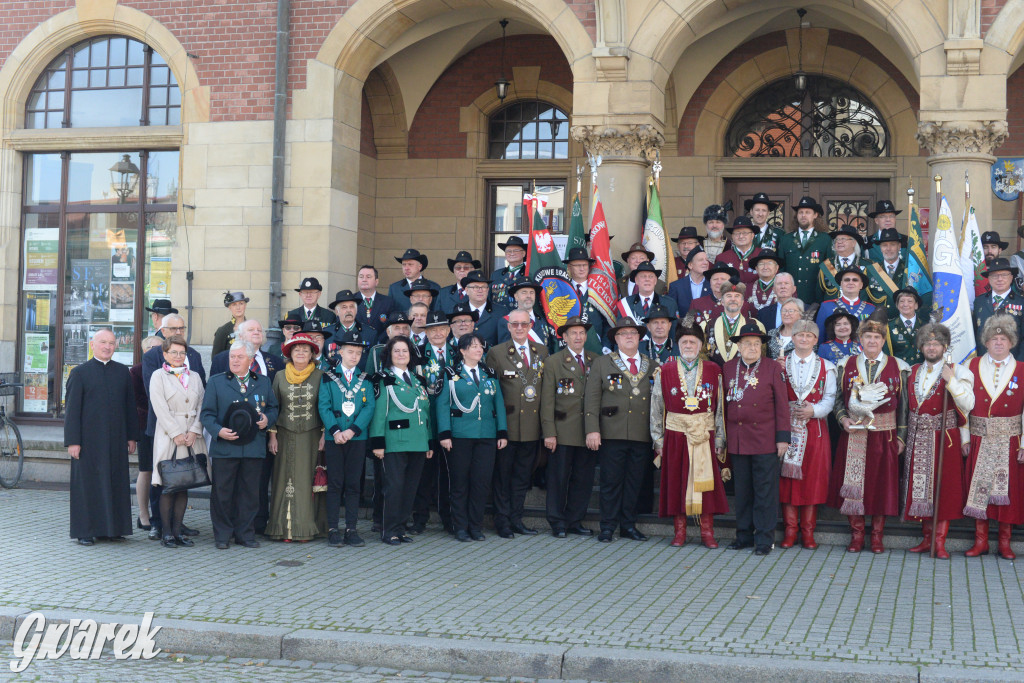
[{"x": 937, "y": 475}]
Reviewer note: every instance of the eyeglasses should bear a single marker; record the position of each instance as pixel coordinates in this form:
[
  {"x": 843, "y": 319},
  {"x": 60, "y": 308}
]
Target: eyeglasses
[
  {"x": 175, "y": 353},
  {"x": 176, "y": 329},
  {"x": 511, "y": 324},
  {"x": 292, "y": 328}
]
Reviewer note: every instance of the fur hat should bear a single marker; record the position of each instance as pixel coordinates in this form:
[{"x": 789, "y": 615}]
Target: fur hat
[
  {"x": 1000, "y": 323},
  {"x": 738, "y": 287},
  {"x": 869, "y": 325},
  {"x": 804, "y": 325},
  {"x": 933, "y": 332}
]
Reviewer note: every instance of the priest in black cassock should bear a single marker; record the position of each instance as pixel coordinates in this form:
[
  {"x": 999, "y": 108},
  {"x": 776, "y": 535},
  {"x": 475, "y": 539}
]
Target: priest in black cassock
[{"x": 100, "y": 430}]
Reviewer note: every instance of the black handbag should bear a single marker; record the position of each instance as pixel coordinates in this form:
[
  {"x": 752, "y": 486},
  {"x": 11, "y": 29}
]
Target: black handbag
[{"x": 182, "y": 474}]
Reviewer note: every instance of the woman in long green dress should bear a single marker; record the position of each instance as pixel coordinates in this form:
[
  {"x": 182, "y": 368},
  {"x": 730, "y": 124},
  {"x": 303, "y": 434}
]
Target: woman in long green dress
[{"x": 295, "y": 440}]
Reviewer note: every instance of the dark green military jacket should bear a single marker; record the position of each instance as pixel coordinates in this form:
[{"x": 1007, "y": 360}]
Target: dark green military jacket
[
  {"x": 562, "y": 395},
  {"x": 520, "y": 387},
  {"x": 471, "y": 410},
  {"x": 902, "y": 341},
  {"x": 802, "y": 262},
  {"x": 618, "y": 405}
]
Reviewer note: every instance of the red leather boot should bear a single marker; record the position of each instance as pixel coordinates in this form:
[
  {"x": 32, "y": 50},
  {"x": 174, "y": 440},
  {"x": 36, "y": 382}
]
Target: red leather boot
[
  {"x": 856, "y": 534},
  {"x": 1004, "y": 541},
  {"x": 791, "y": 518},
  {"x": 877, "y": 532},
  {"x": 808, "y": 522},
  {"x": 925, "y": 545},
  {"x": 680, "y": 538},
  {"x": 707, "y": 530},
  {"x": 980, "y": 546},
  {"x": 941, "y": 530}
]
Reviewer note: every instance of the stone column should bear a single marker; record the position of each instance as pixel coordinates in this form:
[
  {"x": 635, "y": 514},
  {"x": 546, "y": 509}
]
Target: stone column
[
  {"x": 626, "y": 152},
  {"x": 957, "y": 147}
]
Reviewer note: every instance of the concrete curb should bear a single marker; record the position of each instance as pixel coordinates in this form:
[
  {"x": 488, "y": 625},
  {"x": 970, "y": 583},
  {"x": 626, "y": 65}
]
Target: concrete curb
[{"x": 490, "y": 658}]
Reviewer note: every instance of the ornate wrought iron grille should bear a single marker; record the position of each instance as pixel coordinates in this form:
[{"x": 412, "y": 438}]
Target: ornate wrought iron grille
[
  {"x": 828, "y": 119},
  {"x": 853, "y": 212}
]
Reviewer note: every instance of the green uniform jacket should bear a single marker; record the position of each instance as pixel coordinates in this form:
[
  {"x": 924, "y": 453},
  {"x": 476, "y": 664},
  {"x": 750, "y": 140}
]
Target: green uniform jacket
[
  {"x": 223, "y": 337},
  {"x": 562, "y": 394},
  {"x": 827, "y": 281},
  {"x": 520, "y": 387},
  {"x": 393, "y": 429},
  {"x": 435, "y": 373},
  {"x": 221, "y": 391},
  {"x": 332, "y": 398},
  {"x": 612, "y": 407},
  {"x": 481, "y": 419},
  {"x": 803, "y": 262},
  {"x": 902, "y": 342}
]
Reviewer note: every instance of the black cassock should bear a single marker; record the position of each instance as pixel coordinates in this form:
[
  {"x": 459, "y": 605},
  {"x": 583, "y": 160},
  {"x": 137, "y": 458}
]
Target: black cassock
[{"x": 100, "y": 416}]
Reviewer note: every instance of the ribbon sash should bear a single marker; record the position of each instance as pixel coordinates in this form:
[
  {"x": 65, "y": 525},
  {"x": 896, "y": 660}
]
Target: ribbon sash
[
  {"x": 700, "y": 476},
  {"x": 793, "y": 460},
  {"x": 852, "y": 490},
  {"x": 919, "y": 460},
  {"x": 990, "y": 483}
]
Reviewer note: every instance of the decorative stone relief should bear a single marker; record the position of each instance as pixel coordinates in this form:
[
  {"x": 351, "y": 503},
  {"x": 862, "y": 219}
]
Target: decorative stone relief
[
  {"x": 961, "y": 137},
  {"x": 636, "y": 141}
]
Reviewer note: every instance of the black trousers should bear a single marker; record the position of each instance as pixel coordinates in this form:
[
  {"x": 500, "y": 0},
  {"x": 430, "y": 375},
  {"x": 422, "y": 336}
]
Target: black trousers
[
  {"x": 570, "y": 483},
  {"x": 344, "y": 470},
  {"x": 378, "y": 488},
  {"x": 471, "y": 469},
  {"x": 513, "y": 476},
  {"x": 622, "y": 472},
  {"x": 234, "y": 498},
  {"x": 645, "y": 498},
  {"x": 266, "y": 474},
  {"x": 757, "y": 497},
  {"x": 433, "y": 489},
  {"x": 401, "y": 477}
]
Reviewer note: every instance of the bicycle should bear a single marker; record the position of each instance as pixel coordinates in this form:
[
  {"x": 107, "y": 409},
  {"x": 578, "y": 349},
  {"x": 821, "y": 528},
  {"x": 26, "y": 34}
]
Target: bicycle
[{"x": 12, "y": 451}]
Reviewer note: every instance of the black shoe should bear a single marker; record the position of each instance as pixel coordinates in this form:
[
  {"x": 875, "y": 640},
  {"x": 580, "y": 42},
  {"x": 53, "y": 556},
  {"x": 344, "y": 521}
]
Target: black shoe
[
  {"x": 86, "y": 541},
  {"x": 605, "y": 536},
  {"x": 154, "y": 534},
  {"x": 184, "y": 541},
  {"x": 762, "y": 550},
  {"x": 140, "y": 525},
  {"x": 558, "y": 533},
  {"x": 633, "y": 533},
  {"x": 377, "y": 528},
  {"x": 334, "y": 538},
  {"x": 168, "y": 542},
  {"x": 476, "y": 536},
  {"x": 739, "y": 545},
  {"x": 462, "y": 536},
  {"x": 449, "y": 528},
  {"x": 580, "y": 530},
  {"x": 352, "y": 539},
  {"x": 222, "y": 545},
  {"x": 393, "y": 540},
  {"x": 188, "y": 531},
  {"x": 521, "y": 528},
  {"x": 417, "y": 529},
  {"x": 115, "y": 539},
  {"x": 406, "y": 538},
  {"x": 250, "y": 544},
  {"x": 506, "y": 533}
]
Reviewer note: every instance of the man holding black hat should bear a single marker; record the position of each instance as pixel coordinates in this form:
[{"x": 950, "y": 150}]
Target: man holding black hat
[
  {"x": 759, "y": 207},
  {"x": 633, "y": 257},
  {"x": 502, "y": 279},
  {"x": 235, "y": 302},
  {"x": 570, "y": 468},
  {"x": 644, "y": 298},
  {"x": 238, "y": 407},
  {"x": 157, "y": 311},
  {"x": 803, "y": 250},
  {"x": 757, "y": 429},
  {"x": 460, "y": 266},
  {"x": 1002, "y": 299},
  {"x": 715, "y": 218},
  {"x": 694, "y": 284},
  {"x": 519, "y": 365},
  {"x": 617, "y": 424},
  {"x": 686, "y": 242},
  {"x": 309, "y": 291},
  {"x": 488, "y": 316},
  {"x": 413, "y": 265},
  {"x": 904, "y": 327}
]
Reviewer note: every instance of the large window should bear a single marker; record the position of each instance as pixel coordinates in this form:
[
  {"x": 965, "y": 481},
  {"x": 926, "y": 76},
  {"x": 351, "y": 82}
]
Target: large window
[
  {"x": 107, "y": 81},
  {"x": 507, "y": 215},
  {"x": 529, "y": 130},
  {"x": 97, "y": 226}
]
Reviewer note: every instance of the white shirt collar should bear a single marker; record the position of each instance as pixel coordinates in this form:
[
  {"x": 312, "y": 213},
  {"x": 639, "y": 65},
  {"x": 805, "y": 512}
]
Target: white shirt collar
[
  {"x": 1002, "y": 294},
  {"x": 909, "y": 322},
  {"x": 625, "y": 358},
  {"x": 398, "y": 373}
]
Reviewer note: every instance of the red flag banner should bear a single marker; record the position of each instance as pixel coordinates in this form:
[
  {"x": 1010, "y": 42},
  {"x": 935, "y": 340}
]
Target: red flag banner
[{"x": 603, "y": 289}]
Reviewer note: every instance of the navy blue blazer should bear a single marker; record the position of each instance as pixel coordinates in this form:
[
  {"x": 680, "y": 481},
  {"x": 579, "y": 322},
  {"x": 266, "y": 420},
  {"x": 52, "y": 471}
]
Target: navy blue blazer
[
  {"x": 151, "y": 362},
  {"x": 320, "y": 314},
  {"x": 1013, "y": 305},
  {"x": 397, "y": 292},
  {"x": 491, "y": 322},
  {"x": 447, "y": 299},
  {"x": 768, "y": 315},
  {"x": 275, "y": 363},
  {"x": 378, "y": 315},
  {"x": 680, "y": 292}
]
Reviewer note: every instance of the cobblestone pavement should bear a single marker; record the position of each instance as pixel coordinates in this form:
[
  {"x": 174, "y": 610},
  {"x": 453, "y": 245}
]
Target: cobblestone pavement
[{"x": 824, "y": 605}]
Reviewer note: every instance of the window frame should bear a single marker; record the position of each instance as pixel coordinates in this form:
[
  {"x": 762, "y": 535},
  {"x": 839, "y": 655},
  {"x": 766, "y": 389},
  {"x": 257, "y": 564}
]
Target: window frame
[{"x": 558, "y": 115}]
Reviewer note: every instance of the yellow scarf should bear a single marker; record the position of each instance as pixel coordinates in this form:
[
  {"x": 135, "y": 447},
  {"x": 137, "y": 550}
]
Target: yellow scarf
[{"x": 297, "y": 376}]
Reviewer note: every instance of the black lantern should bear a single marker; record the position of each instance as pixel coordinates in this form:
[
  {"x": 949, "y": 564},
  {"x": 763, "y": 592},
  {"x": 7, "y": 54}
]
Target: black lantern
[
  {"x": 124, "y": 178},
  {"x": 501, "y": 85},
  {"x": 800, "y": 77}
]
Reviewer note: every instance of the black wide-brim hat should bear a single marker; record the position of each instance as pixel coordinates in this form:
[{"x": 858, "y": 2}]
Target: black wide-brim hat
[
  {"x": 241, "y": 418},
  {"x": 513, "y": 241},
  {"x": 462, "y": 308},
  {"x": 749, "y": 330},
  {"x": 997, "y": 264},
  {"x": 316, "y": 327},
  {"x": 809, "y": 203},
  {"x": 161, "y": 307},
  {"x": 578, "y": 254},
  {"x": 766, "y": 255},
  {"x": 907, "y": 290},
  {"x": 853, "y": 270},
  {"x": 523, "y": 282},
  {"x": 884, "y": 206},
  {"x": 741, "y": 222},
  {"x": 421, "y": 285},
  {"x": 462, "y": 257},
  {"x": 309, "y": 283},
  {"x": 759, "y": 198},
  {"x": 688, "y": 232},
  {"x": 289, "y": 321},
  {"x": 992, "y": 237},
  {"x": 234, "y": 297},
  {"x": 848, "y": 231},
  {"x": 575, "y": 321},
  {"x": 625, "y": 324},
  {"x": 349, "y": 338},
  {"x": 474, "y": 276},
  {"x": 723, "y": 268},
  {"x": 436, "y": 319},
  {"x": 658, "y": 311},
  {"x": 830, "y": 322},
  {"x": 645, "y": 267},
  {"x": 345, "y": 295},
  {"x": 890, "y": 235},
  {"x": 412, "y": 255}
]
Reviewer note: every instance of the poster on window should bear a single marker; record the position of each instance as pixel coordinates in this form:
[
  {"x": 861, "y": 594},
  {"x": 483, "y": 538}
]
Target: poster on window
[
  {"x": 159, "y": 277},
  {"x": 37, "y": 352},
  {"x": 35, "y": 393},
  {"x": 122, "y": 264},
  {"x": 124, "y": 337},
  {"x": 41, "y": 246},
  {"x": 37, "y": 311},
  {"x": 122, "y": 302},
  {"x": 76, "y": 343},
  {"x": 88, "y": 294}
]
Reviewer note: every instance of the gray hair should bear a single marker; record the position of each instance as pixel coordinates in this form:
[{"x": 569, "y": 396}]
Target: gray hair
[
  {"x": 246, "y": 324},
  {"x": 249, "y": 349},
  {"x": 786, "y": 275},
  {"x": 170, "y": 319},
  {"x": 792, "y": 300}
]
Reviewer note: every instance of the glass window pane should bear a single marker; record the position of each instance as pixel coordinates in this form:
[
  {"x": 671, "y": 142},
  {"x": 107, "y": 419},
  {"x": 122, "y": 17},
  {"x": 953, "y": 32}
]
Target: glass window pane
[
  {"x": 118, "y": 51},
  {"x": 36, "y": 101},
  {"x": 80, "y": 79},
  {"x": 173, "y": 117},
  {"x": 155, "y": 58},
  {"x": 42, "y": 179},
  {"x": 35, "y": 120},
  {"x": 544, "y": 150},
  {"x": 116, "y": 78},
  {"x": 106, "y": 107},
  {"x": 135, "y": 76},
  {"x": 98, "y": 53},
  {"x": 175, "y": 98},
  {"x": 56, "y": 81},
  {"x": 160, "y": 238},
  {"x": 529, "y": 111},
  {"x": 55, "y": 119},
  {"x": 91, "y": 180},
  {"x": 136, "y": 53},
  {"x": 529, "y": 150},
  {"x": 55, "y": 100},
  {"x": 561, "y": 150},
  {"x": 158, "y": 96},
  {"x": 162, "y": 178},
  {"x": 529, "y": 131},
  {"x": 97, "y": 78},
  {"x": 81, "y": 58},
  {"x": 158, "y": 75},
  {"x": 40, "y": 258},
  {"x": 512, "y": 150}
]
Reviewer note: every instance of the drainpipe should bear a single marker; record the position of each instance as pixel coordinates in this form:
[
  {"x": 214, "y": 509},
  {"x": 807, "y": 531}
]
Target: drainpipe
[{"x": 277, "y": 203}]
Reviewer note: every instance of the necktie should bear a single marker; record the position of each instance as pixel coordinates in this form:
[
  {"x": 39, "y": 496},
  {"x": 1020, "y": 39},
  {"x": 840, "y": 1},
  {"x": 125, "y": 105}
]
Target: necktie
[
  {"x": 522, "y": 352},
  {"x": 803, "y": 238},
  {"x": 254, "y": 367},
  {"x": 579, "y": 290},
  {"x": 476, "y": 380},
  {"x": 647, "y": 305},
  {"x": 462, "y": 294},
  {"x": 309, "y": 315},
  {"x": 872, "y": 364},
  {"x": 368, "y": 302},
  {"x": 579, "y": 359},
  {"x": 633, "y": 370},
  {"x": 405, "y": 376},
  {"x": 892, "y": 268},
  {"x": 996, "y": 300},
  {"x": 440, "y": 356}
]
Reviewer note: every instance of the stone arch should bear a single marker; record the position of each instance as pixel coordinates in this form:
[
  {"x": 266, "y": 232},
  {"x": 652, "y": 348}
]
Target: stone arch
[
  {"x": 1007, "y": 33},
  {"x": 895, "y": 100},
  {"x": 47, "y": 40},
  {"x": 665, "y": 32},
  {"x": 387, "y": 110}
]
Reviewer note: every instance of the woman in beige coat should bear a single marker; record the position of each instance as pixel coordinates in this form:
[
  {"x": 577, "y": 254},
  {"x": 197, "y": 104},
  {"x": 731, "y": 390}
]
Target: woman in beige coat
[{"x": 177, "y": 397}]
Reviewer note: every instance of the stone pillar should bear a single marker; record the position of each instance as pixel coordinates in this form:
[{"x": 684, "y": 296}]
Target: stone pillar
[
  {"x": 626, "y": 152},
  {"x": 957, "y": 147}
]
